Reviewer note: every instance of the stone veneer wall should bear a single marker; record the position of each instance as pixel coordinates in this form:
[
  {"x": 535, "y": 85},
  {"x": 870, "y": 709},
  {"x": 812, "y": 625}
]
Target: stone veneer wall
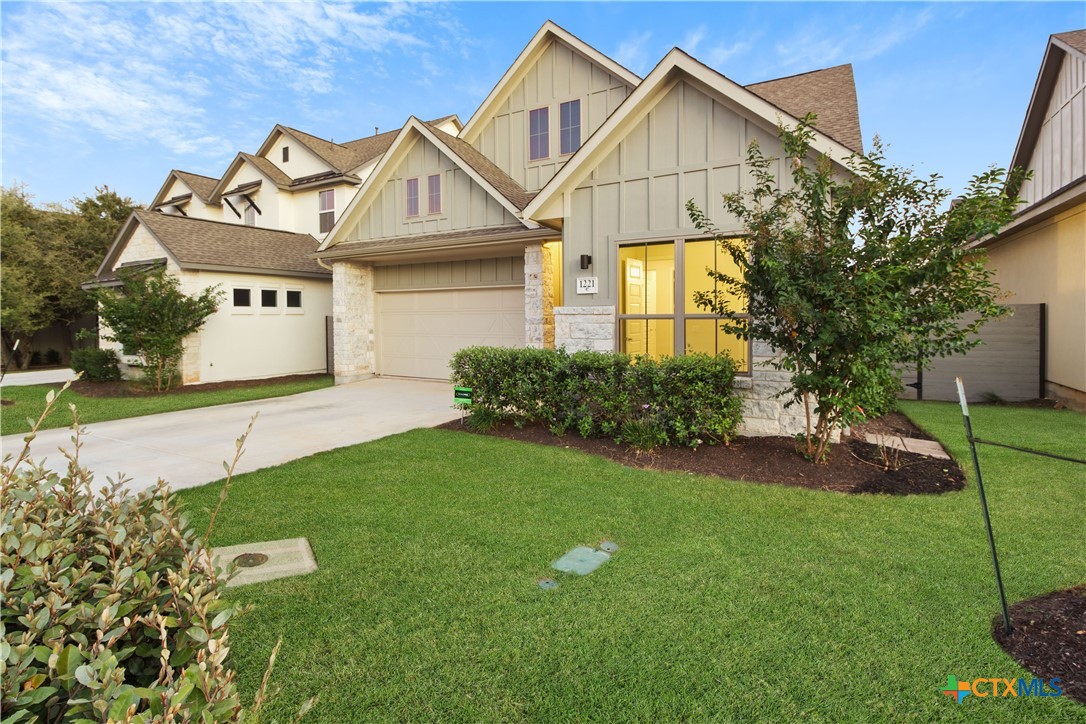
[
  {"x": 353, "y": 309},
  {"x": 538, "y": 296},
  {"x": 585, "y": 328},
  {"x": 593, "y": 328}
]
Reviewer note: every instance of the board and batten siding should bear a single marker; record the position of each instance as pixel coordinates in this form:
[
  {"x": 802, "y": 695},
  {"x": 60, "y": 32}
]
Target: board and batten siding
[
  {"x": 690, "y": 145},
  {"x": 504, "y": 271},
  {"x": 1059, "y": 156},
  {"x": 464, "y": 203},
  {"x": 560, "y": 74}
]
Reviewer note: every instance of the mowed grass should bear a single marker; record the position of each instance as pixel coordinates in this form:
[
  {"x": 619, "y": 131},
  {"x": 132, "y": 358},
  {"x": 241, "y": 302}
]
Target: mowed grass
[
  {"x": 30, "y": 401},
  {"x": 726, "y": 601}
]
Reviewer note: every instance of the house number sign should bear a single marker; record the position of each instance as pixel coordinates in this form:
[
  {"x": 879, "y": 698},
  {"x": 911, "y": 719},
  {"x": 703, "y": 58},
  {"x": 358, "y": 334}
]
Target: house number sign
[{"x": 587, "y": 285}]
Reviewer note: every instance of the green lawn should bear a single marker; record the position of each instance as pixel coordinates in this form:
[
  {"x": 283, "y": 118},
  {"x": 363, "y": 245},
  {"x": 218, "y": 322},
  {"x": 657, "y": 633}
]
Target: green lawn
[
  {"x": 30, "y": 401},
  {"x": 726, "y": 601}
]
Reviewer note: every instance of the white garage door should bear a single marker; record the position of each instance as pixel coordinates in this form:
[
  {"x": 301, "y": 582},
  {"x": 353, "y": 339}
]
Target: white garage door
[{"x": 418, "y": 332}]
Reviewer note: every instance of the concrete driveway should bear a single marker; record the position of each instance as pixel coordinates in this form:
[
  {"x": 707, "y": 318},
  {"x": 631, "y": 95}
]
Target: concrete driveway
[
  {"x": 37, "y": 377},
  {"x": 188, "y": 448}
]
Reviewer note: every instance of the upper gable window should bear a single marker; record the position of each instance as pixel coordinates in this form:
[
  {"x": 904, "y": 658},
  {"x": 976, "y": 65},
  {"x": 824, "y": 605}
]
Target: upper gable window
[
  {"x": 433, "y": 194},
  {"x": 569, "y": 124},
  {"x": 327, "y": 210},
  {"x": 286, "y": 153},
  {"x": 539, "y": 134},
  {"x": 250, "y": 215},
  {"x": 412, "y": 197}
]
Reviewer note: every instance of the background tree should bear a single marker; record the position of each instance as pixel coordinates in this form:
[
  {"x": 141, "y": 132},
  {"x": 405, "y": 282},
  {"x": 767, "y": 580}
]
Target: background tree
[
  {"x": 852, "y": 278},
  {"x": 47, "y": 253},
  {"x": 150, "y": 317}
]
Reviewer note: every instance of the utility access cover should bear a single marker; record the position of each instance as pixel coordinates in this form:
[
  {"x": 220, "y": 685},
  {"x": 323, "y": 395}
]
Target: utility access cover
[{"x": 582, "y": 560}]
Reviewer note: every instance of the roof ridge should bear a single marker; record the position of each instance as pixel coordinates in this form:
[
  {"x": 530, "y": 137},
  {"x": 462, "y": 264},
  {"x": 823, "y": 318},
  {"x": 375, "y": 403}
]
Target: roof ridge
[
  {"x": 193, "y": 173},
  {"x": 158, "y": 214},
  {"x": 797, "y": 75},
  {"x": 310, "y": 135}
]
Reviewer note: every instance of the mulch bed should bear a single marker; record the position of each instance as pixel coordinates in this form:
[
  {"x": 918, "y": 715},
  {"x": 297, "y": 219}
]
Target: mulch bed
[
  {"x": 769, "y": 460},
  {"x": 127, "y": 388},
  {"x": 1049, "y": 638}
]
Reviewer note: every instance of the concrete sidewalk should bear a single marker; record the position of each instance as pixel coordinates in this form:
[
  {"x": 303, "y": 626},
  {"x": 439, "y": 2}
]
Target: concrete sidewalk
[
  {"x": 37, "y": 377},
  {"x": 188, "y": 448}
]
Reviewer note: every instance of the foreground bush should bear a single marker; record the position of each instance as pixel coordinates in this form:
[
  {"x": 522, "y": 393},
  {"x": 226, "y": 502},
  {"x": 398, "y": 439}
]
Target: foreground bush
[
  {"x": 639, "y": 401},
  {"x": 112, "y": 609},
  {"x": 96, "y": 364}
]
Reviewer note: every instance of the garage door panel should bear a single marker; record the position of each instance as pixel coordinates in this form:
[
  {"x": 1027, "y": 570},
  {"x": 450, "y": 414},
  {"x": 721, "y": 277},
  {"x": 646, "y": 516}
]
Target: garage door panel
[{"x": 418, "y": 332}]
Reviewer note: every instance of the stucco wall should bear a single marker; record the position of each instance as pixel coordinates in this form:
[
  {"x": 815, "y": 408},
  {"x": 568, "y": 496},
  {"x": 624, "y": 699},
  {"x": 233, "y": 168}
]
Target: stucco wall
[
  {"x": 195, "y": 208},
  {"x": 1046, "y": 263},
  {"x": 299, "y": 211},
  {"x": 303, "y": 162},
  {"x": 238, "y": 343},
  {"x": 266, "y": 198}
]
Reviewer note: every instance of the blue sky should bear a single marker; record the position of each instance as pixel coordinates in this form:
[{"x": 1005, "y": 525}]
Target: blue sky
[{"x": 120, "y": 93}]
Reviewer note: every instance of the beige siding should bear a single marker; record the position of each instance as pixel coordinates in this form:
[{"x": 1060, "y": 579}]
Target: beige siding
[
  {"x": 1060, "y": 154},
  {"x": 560, "y": 74},
  {"x": 451, "y": 274},
  {"x": 465, "y": 204},
  {"x": 688, "y": 146},
  {"x": 1046, "y": 263}
]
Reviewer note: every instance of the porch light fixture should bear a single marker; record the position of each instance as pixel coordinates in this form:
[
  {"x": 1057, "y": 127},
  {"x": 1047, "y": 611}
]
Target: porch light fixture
[{"x": 586, "y": 261}]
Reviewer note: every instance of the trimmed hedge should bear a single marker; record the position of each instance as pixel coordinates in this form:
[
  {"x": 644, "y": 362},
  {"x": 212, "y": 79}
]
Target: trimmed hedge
[
  {"x": 637, "y": 400},
  {"x": 96, "y": 364}
]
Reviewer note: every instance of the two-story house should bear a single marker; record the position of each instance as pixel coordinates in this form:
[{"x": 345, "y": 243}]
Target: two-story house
[
  {"x": 251, "y": 232},
  {"x": 556, "y": 216}
]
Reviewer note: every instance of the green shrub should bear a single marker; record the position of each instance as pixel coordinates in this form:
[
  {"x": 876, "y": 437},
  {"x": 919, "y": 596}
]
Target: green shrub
[
  {"x": 111, "y": 608},
  {"x": 96, "y": 364},
  {"x": 604, "y": 394},
  {"x": 52, "y": 357}
]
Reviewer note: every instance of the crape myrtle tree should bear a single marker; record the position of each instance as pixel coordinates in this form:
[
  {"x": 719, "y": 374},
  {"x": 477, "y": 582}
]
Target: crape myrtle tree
[
  {"x": 150, "y": 316},
  {"x": 851, "y": 277}
]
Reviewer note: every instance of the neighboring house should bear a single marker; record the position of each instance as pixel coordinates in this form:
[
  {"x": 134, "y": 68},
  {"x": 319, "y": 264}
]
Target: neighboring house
[
  {"x": 276, "y": 299},
  {"x": 1040, "y": 258},
  {"x": 556, "y": 216},
  {"x": 252, "y": 231}
]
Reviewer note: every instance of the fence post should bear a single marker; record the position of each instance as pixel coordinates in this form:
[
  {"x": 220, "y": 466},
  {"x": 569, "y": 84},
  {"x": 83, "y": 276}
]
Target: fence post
[{"x": 984, "y": 505}]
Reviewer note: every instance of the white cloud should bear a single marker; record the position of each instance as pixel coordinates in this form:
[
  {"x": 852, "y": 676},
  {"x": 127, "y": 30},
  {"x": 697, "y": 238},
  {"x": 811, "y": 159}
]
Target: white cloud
[
  {"x": 633, "y": 52},
  {"x": 693, "y": 40},
  {"x": 818, "y": 46},
  {"x": 160, "y": 72}
]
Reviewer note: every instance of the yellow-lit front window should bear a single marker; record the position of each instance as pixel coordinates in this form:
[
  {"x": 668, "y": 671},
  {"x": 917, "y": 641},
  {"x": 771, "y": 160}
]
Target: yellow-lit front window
[{"x": 657, "y": 312}]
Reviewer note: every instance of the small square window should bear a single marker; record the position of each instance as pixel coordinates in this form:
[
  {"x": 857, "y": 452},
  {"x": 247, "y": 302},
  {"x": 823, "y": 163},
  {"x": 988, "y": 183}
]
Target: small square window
[
  {"x": 294, "y": 298},
  {"x": 243, "y": 297},
  {"x": 412, "y": 197},
  {"x": 286, "y": 153},
  {"x": 433, "y": 192},
  {"x": 539, "y": 129},
  {"x": 269, "y": 298}
]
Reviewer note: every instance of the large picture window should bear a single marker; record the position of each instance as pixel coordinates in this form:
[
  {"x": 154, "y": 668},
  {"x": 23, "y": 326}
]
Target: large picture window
[{"x": 657, "y": 312}]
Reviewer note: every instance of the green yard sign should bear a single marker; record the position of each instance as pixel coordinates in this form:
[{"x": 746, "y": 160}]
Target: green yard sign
[{"x": 462, "y": 396}]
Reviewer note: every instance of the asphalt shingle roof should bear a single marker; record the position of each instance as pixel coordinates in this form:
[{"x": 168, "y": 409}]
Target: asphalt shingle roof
[
  {"x": 200, "y": 243},
  {"x": 830, "y": 93},
  {"x": 497, "y": 178},
  {"x": 202, "y": 186},
  {"x": 1075, "y": 38}
]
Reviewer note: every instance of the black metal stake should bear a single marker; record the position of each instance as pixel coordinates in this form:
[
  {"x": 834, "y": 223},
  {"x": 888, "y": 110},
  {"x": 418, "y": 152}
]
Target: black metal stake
[{"x": 984, "y": 505}]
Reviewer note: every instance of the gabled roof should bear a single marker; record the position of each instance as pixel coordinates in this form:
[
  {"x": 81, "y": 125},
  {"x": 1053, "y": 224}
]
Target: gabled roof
[
  {"x": 1059, "y": 46},
  {"x": 830, "y": 93},
  {"x": 676, "y": 65},
  {"x": 494, "y": 181},
  {"x": 268, "y": 169},
  {"x": 535, "y": 47},
  {"x": 202, "y": 186},
  {"x": 218, "y": 246}
]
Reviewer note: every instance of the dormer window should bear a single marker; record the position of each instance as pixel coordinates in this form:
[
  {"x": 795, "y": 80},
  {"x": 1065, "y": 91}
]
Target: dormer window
[
  {"x": 327, "y": 206},
  {"x": 539, "y": 134},
  {"x": 286, "y": 153},
  {"x": 412, "y": 197},
  {"x": 250, "y": 215}
]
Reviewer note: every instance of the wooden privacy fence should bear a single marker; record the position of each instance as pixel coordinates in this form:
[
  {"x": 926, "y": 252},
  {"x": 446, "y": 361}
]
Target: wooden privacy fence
[{"x": 1009, "y": 364}]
